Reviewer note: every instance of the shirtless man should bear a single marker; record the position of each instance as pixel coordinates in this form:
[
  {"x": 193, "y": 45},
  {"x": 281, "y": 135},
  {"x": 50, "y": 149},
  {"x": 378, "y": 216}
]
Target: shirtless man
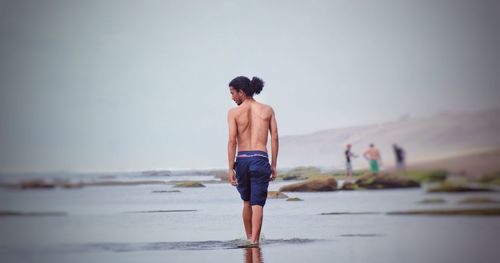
[
  {"x": 373, "y": 155},
  {"x": 249, "y": 125}
]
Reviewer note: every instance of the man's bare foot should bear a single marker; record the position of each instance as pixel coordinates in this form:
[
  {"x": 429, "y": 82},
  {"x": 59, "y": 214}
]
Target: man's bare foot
[
  {"x": 248, "y": 244},
  {"x": 253, "y": 244}
]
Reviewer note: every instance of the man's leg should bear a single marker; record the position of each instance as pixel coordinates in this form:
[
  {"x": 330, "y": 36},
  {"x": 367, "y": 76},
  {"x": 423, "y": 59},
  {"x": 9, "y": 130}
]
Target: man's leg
[
  {"x": 257, "y": 211},
  {"x": 374, "y": 166},
  {"x": 348, "y": 173},
  {"x": 247, "y": 219}
]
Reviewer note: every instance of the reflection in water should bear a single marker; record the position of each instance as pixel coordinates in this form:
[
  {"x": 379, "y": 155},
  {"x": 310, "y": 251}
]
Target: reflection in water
[{"x": 253, "y": 255}]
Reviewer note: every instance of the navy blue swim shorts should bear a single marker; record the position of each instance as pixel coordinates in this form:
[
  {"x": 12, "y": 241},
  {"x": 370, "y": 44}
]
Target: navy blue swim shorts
[{"x": 253, "y": 173}]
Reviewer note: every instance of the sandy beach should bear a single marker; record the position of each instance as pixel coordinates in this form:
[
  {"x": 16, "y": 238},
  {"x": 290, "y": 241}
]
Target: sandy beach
[{"x": 138, "y": 219}]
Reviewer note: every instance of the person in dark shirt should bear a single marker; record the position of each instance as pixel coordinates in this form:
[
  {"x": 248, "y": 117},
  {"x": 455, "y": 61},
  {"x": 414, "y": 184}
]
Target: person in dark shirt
[
  {"x": 400, "y": 157},
  {"x": 348, "y": 164}
]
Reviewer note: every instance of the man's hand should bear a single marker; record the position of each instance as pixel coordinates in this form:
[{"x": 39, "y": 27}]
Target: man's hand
[
  {"x": 273, "y": 173},
  {"x": 232, "y": 178}
]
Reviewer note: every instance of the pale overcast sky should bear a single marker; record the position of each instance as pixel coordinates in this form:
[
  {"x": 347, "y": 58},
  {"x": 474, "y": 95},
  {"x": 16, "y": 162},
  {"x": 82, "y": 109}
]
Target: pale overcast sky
[{"x": 102, "y": 85}]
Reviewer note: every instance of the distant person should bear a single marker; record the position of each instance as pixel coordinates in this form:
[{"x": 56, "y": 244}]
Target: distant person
[
  {"x": 400, "y": 157},
  {"x": 348, "y": 164},
  {"x": 249, "y": 125},
  {"x": 373, "y": 156}
]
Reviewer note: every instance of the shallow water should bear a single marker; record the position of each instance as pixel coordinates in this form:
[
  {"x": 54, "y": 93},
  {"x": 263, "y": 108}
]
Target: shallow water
[{"x": 131, "y": 223}]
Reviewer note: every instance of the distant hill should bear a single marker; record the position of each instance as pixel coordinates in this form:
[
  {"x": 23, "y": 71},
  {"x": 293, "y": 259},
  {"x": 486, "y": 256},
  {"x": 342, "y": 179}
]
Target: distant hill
[
  {"x": 475, "y": 164},
  {"x": 439, "y": 136}
]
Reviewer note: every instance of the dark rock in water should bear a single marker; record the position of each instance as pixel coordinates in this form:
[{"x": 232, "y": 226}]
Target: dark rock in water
[
  {"x": 385, "y": 181},
  {"x": 18, "y": 213},
  {"x": 312, "y": 185},
  {"x": 349, "y": 186},
  {"x": 479, "y": 200},
  {"x": 350, "y": 213},
  {"x": 449, "y": 187},
  {"x": 72, "y": 185},
  {"x": 433, "y": 201},
  {"x": 36, "y": 184},
  {"x": 166, "y": 211},
  {"x": 289, "y": 177},
  {"x": 276, "y": 195},
  {"x": 67, "y": 184},
  {"x": 166, "y": 191},
  {"x": 121, "y": 183},
  {"x": 293, "y": 199},
  {"x": 451, "y": 212},
  {"x": 189, "y": 184},
  {"x": 156, "y": 173}
]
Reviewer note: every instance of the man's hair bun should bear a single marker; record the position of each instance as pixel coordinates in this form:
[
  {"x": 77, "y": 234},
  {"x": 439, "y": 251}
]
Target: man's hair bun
[{"x": 257, "y": 85}]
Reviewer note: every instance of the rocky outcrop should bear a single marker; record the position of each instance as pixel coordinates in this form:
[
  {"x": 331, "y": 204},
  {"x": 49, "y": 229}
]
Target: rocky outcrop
[
  {"x": 385, "y": 181},
  {"x": 449, "y": 187},
  {"x": 276, "y": 195},
  {"x": 349, "y": 186},
  {"x": 36, "y": 184},
  {"x": 312, "y": 185},
  {"x": 432, "y": 201},
  {"x": 479, "y": 200},
  {"x": 156, "y": 173},
  {"x": 294, "y": 199},
  {"x": 165, "y": 191},
  {"x": 189, "y": 184}
]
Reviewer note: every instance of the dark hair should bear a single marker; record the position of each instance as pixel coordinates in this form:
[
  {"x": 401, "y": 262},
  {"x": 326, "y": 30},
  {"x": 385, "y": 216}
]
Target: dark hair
[{"x": 250, "y": 87}]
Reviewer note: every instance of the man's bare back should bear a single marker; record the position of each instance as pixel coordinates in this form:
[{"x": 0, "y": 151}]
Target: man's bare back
[
  {"x": 249, "y": 126},
  {"x": 253, "y": 122},
  {"x": 373, "y": 153}
]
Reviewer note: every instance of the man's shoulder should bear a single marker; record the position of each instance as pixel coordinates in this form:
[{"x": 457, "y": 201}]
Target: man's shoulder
[
  {"x": 266, "y": 107},
  {"x": 232, "y": 113},
  {"x": 232, "y": 110}
]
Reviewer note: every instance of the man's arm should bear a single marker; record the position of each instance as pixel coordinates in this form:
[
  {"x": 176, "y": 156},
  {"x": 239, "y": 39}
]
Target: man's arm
[
  {"x": 273, "y": 127},
  {"x": 379, "y": 158},
  {"x": 366, "y": 155},
  {"x": 231, "y": 146}
]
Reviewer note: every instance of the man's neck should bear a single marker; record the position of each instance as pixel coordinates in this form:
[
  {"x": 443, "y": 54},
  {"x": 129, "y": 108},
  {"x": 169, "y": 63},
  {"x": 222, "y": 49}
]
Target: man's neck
[{"x": 248, "y": 100}]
